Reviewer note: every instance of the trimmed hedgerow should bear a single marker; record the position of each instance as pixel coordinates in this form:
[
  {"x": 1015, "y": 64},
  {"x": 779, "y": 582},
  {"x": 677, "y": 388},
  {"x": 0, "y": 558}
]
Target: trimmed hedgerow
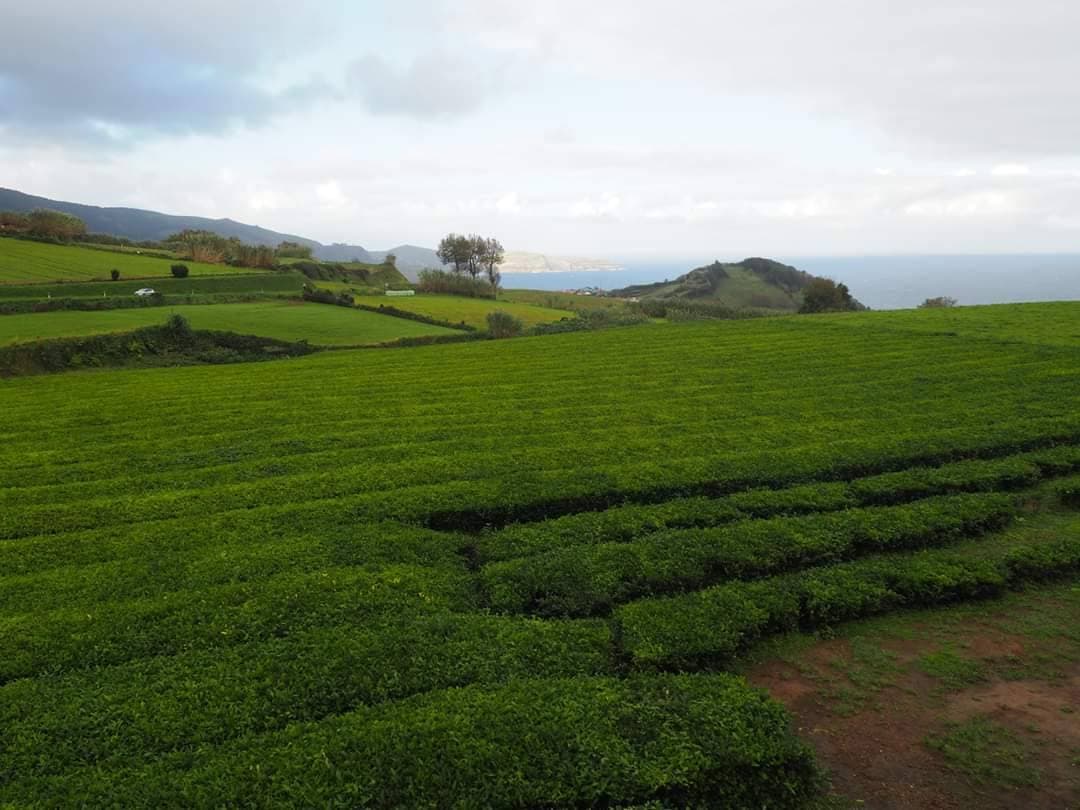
[
  {"x": 715, "y": 624},
  {"x": 693, "y": 740},
  {"x": 629, "y": 522},
  {"x": 589, "y": 580},
  {"x": 206, "y": 697},
  {"x": 1068, "y": 491},
  {"x": 222, "y": 616}
]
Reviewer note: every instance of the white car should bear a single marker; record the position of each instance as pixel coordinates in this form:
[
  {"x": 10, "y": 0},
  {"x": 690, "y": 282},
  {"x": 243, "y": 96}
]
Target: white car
[{"x": 145, "y": 292}]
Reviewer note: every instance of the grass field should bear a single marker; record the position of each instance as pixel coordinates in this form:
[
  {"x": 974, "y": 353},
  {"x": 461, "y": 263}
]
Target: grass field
[
  {"x": 285, "y": 320},
  {"x": 465, "y": 575},
  {"x": 231, "y": 284},
  {"x": 561, "y": 300},
  {"x": 26, "y": 262},
  {"x": 470, "y": 311}
]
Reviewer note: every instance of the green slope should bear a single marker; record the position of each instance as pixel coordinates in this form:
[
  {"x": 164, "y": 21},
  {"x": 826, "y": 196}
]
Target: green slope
[
  {"x": 329, "y": 581},
  {"x": 749, "y": 284},
  {"x": 27, "y": 262},
  {"x": 285, "y": 320}
]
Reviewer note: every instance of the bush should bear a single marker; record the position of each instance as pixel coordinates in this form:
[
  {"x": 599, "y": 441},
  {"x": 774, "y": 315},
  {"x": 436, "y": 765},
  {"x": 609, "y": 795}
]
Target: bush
[
  {"x": 825, "y": 295},
  {"x": 114, "y": 275},
  {"x": 584, "y": 581},
  {"x": 321, "y": 296},
  {"x": 320, "y": 672},
  {"x": 687, "y": 740},
  {"x": 179, "y": 270},
  {"x": 714, "y": 624},
  {"x": 444, "y": 283},
  {"x": 503, "y": 325},
  {"x": 942, "y": 302}
]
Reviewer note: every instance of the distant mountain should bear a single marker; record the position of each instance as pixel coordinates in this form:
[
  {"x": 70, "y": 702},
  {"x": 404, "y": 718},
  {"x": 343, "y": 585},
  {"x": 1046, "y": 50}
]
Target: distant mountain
[
  {"x": 752, "y": 283},
  {"x": 142, "y": 225}
]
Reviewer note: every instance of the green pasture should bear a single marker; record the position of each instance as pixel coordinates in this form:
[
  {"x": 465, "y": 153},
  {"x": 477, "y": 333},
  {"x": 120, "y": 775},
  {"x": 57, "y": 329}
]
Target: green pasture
[
  {"x": 514, "y": 573},
  {"x": 457, "y": 309},
  {"x": 28, "y": 262},
  {"x": 318, "y": 324},
  {"x": 250, "y": 283}
]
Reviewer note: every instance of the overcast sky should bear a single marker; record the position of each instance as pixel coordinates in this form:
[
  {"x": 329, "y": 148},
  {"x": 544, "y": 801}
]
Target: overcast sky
[{"x": 605, "y": 128}]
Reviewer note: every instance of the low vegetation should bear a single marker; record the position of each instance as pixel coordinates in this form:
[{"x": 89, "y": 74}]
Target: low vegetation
[
  {"x": 173, "y": 344},
  {"x": 278, "y": 319},
  {"x": 502, "y": 573}
]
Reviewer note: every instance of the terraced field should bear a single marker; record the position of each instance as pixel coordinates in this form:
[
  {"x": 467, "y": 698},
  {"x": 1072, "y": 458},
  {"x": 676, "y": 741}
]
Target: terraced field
[
  {"x": 25, "y": 262},
  {"x": 284, "y": 320},
  {"x": 502, "y": 573},
  {"x": 249, "y": 283},
  {"x": 470, "y": 311}
]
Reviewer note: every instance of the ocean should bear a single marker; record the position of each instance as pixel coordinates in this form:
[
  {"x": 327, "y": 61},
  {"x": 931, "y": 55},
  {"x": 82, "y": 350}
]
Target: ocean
[{"x": 880, "y": 282}]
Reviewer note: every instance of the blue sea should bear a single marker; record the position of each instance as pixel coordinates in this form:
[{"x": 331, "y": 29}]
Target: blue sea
[{"x": 880, "y": 282}]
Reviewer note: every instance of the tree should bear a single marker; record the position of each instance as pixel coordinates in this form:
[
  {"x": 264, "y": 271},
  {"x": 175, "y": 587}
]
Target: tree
[
  {"x": 179, "y": 270},
  {"x": 825, "y": 295},
  {"x": 941, "y": 302},
  {"x": 55, "y": 224},
  {"x": 200, "y": 246},
  {"x": 490, "y": 259},
  {"x": 293, "y": 250},
  {"x": 471, "y": 255},
  {"x": 114, "y": 274},
  {"x": 14, "y": 222},
  {"x": 457, "y": 250}
]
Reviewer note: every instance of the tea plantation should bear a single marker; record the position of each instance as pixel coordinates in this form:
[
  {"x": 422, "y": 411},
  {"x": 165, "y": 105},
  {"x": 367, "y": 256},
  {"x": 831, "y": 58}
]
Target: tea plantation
[{"x": 503, "y": 573}]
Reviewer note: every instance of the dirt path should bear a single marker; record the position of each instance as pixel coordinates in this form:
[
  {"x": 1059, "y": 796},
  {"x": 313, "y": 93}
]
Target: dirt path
[{"x": 966, "y": 710}]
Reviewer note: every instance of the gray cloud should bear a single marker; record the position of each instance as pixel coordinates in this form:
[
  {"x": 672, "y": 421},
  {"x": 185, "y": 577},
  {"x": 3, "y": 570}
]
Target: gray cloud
[
  {"x": 437, "y": 84},
  {"x": 116, "y": 70},
  {"x": 994, "y": 77}
]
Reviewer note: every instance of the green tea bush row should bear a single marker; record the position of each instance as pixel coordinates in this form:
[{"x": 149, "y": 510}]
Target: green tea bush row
[
  {"x": 156, "y": 560},
  {"x": 629, "y": 522},
  {"x": 1069, "y": 491},
  {"x": 116, "y": 716},
  {"x": 714, "y": 624},
  {"x": 584, "y": 581},
  {"x": 62, "y": 639},
  {"x": 693, "y": 740}
]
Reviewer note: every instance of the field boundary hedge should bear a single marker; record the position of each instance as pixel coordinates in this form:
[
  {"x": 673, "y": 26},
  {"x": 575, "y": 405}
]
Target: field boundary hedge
[
  {"x": 387, "y": 309},
  {"x": 150, "y": 346}
]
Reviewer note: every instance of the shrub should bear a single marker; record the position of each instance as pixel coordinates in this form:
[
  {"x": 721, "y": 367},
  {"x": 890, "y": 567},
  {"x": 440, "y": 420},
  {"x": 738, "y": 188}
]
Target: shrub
[
  {"x": 179, "y": 270},
  {"x": 583, "y": 581},
  {"x": 503, "y": 325},
  {"x": 442, "y": 282},
  {"x": 1068, "y": 491},
  {"x": 941, "y": 302},
  {"x": 687, "y": 740},
  {"x": 114, "y": 275}
]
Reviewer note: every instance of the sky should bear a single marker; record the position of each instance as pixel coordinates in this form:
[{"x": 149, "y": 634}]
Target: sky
[{"x": 604, "y": 128}]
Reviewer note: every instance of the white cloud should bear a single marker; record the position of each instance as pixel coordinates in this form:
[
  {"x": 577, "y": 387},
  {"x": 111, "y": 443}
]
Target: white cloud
[
  {"x": 977, "y": 204},
  {"x": 606, "y": 206},
  {"x": 509, "y": 203},
  {"x": 331, "y": 195},
  {"x": 1011, "y": 170}
]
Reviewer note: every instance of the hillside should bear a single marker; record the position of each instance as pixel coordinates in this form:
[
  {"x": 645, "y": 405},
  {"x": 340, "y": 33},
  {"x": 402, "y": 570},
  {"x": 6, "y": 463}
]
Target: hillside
[
  {"x": 752, "y": 283},
  {"x": 143, "y": 225}
]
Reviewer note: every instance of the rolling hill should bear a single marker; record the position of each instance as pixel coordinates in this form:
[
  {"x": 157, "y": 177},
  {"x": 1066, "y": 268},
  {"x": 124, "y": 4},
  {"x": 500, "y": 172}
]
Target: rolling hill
[
  {"x": 752, "y": 283},
  {"x": 143, "y": 225}
]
